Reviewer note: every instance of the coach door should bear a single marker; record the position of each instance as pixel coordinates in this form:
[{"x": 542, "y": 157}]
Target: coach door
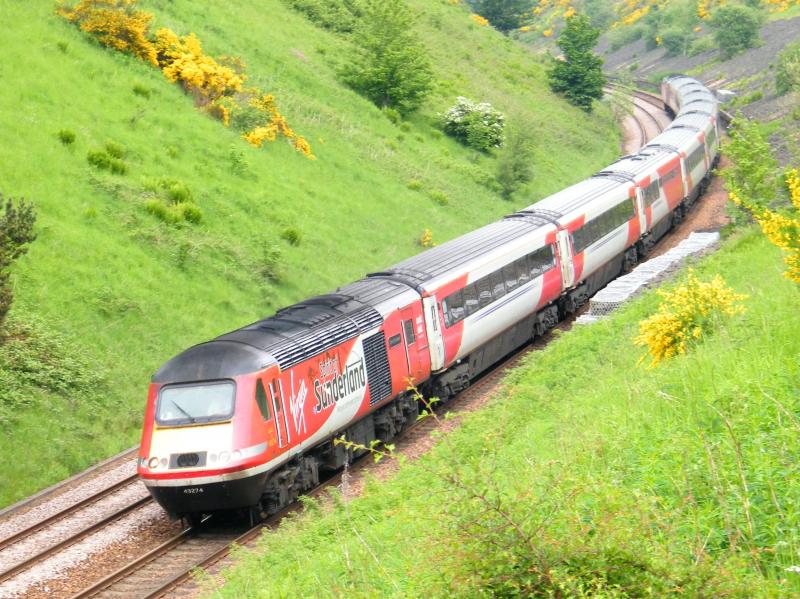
[
  {"x": 640, "y": 210},
  {"x": 413, "y": 344},
  {"x": 276, "y": 393},
  {"x": 565, "y": 257},
  {"x": 435, "y": 337}
]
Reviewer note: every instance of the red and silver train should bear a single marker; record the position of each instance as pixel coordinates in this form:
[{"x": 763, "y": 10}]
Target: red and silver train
[{"x": 247, "y": 420}]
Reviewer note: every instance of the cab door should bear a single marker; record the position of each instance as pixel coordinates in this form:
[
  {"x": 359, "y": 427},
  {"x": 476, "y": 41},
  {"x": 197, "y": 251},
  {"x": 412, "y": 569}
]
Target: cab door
[
  {"x": 276, "y": 394},
  {"x": 435, "y": 337}
]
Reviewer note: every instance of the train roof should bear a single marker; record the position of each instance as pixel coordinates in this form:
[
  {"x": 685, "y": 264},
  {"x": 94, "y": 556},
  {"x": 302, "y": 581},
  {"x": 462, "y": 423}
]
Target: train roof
[
  {"x": 644, "y": 162},
  {"x": 293, "y": 334},
  {"x": 674, "y": 138},
  {"x": 579, "y": 195},
  {"x": 448, "y": 257},
  {"x": 697, "y": 119}
]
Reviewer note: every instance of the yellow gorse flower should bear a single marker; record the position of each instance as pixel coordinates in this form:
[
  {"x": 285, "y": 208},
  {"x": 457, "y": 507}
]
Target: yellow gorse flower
[
  {"x": 781, "y": 229},
  {"x": 479, "y": 20},
  {"x": 685, "y": 314},
  {"x": 215, "y": 84}
]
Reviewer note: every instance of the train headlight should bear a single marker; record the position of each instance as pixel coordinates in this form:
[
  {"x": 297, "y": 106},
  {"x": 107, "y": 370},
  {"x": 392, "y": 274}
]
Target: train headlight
[
  {"x": 152, "y": 463},
  {"x": 237, "y": 455},
  {"x": 224, "y": 456}
]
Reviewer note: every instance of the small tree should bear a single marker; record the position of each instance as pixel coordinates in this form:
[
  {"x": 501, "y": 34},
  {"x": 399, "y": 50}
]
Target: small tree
[
  {"x": 735, "y": 29},
  {"x": 16, "y": 232},
  {"x": 390, "y": 66},
  {"x": 503, "y": 15},
  {"x": 578, "y": 76},
  {"x": 787, "y": 75},
  {"x": 514, "y": 165}
]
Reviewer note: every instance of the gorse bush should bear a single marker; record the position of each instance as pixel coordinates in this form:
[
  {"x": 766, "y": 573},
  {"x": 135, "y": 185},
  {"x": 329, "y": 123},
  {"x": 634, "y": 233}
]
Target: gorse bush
[
  {"x": 754, "y": 186},
  {"x": 115, "y": 23},
  {"x": 16, "y": 234},
  {"x": 478, "y": 125},
  {"x": 781, "y": 228},
  {"x": 686, "y": 314},
  {"x": 216, "y": 84},
  {"x": 426, "y": 239}
]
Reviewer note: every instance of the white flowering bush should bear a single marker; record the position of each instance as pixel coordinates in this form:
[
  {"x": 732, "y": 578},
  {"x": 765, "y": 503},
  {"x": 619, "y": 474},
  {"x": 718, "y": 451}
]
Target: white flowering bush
[{"x": 479, "y": 125}]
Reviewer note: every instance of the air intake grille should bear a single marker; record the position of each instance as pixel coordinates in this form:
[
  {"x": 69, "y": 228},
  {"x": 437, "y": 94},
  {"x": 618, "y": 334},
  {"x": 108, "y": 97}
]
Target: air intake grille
[
  {"x": 314, "y": 341},
  {"x": 367, "y": 318},
  {"x": 378, "y": 375}
]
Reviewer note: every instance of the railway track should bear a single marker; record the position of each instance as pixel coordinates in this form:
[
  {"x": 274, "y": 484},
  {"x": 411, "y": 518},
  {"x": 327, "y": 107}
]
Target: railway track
[
  {"x": 167, "y": 566},
  {"x": 163, "y": 568}
]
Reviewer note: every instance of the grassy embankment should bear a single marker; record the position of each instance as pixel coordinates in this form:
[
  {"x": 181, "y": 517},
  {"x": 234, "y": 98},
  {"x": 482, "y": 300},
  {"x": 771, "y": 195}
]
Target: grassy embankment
[
  {"x": 589, "y": 475},
  {"x": 116, "y": 292}
]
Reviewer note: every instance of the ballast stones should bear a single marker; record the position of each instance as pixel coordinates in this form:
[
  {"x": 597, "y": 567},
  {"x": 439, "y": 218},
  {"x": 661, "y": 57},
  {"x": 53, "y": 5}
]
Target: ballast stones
[{"x": 645, "y": 275}]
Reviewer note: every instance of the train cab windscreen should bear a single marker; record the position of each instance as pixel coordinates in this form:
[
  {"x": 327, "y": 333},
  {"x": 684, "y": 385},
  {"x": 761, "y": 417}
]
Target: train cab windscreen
[{"x": 195, "y": 403}]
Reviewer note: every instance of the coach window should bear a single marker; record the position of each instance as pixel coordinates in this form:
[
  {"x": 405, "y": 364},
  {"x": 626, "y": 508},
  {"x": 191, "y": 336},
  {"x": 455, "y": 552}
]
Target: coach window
[
  {"x": 261, "y": 400},
  {"x": 523, "y": 271},
  {"x": 408, "y": 328},
  {"x": 651, "y": 194},
  {"x": 470, "y": 299},
  {"x": 541, "y": 261},
  {"x": 510, "y": 277},
  {"x": 453, "y": 308},
  {"x": 498, "y": 286},
  {"x": 484, "y": 292}
]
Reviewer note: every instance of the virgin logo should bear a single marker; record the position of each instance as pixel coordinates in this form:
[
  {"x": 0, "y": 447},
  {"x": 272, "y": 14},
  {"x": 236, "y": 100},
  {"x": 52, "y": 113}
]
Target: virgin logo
[{"x": 297, "y": 402}]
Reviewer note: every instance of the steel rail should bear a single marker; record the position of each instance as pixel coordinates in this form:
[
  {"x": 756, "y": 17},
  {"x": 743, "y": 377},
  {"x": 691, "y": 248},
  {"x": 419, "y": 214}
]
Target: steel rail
[
  {"x": 81, "y": 534},
  {"x": 10, "y": 540}
]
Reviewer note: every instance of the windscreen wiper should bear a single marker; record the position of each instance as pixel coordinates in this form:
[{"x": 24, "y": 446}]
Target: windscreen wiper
[{"x": 185, "y": 413}]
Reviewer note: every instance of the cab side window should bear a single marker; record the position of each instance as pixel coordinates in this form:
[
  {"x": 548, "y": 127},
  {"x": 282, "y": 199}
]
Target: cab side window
[{"x": 261, "y": 400}]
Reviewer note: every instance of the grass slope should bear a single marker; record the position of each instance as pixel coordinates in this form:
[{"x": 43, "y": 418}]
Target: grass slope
[
  {"x": 113, "y": 292},
  {"x": 588, "y": 475}
]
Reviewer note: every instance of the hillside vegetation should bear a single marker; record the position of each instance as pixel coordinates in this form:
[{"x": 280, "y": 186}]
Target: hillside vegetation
[
  {"x": 96, "y": 139},
  {"x": 589, "y": 475}
]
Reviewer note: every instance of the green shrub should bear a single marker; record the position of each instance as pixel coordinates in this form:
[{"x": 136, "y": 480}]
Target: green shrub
[
  {"x": 515, "y": 163},
  {"x": 270, "y": 267},
  {"x": 99, "y": 159},
  {"x": 787, "y": 75},
  {"x": 141, "y": 90},
  {"x": 623, "y": 36},
  {"x": 66, "y": 137},
  {"x": 117, "y": 166},
  {"x": 35, "y": 357},
  {"x": 16, "y": 233},
  {"x": 701, "y": 44},
  {"x": 675, "y": 41},
  {"x": 160, "y": 210},
  {"x": 335, "y": 15},
  {"x": 292, "y": 236},
  {"x": 735, "y": 29},
  {"x": 115, "y": 150},
  {"x": 414, "y": 184},
  {"x": 178, "y": 192},
  {"x": 439, "y": 197},
  {"x": 479, "y": 126},
  {"x": 189, "y": 212}
]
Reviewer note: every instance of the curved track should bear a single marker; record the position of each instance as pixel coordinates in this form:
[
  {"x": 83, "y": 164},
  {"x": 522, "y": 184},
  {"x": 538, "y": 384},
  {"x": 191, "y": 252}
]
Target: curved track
[{"x": 157, "y": 571}]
